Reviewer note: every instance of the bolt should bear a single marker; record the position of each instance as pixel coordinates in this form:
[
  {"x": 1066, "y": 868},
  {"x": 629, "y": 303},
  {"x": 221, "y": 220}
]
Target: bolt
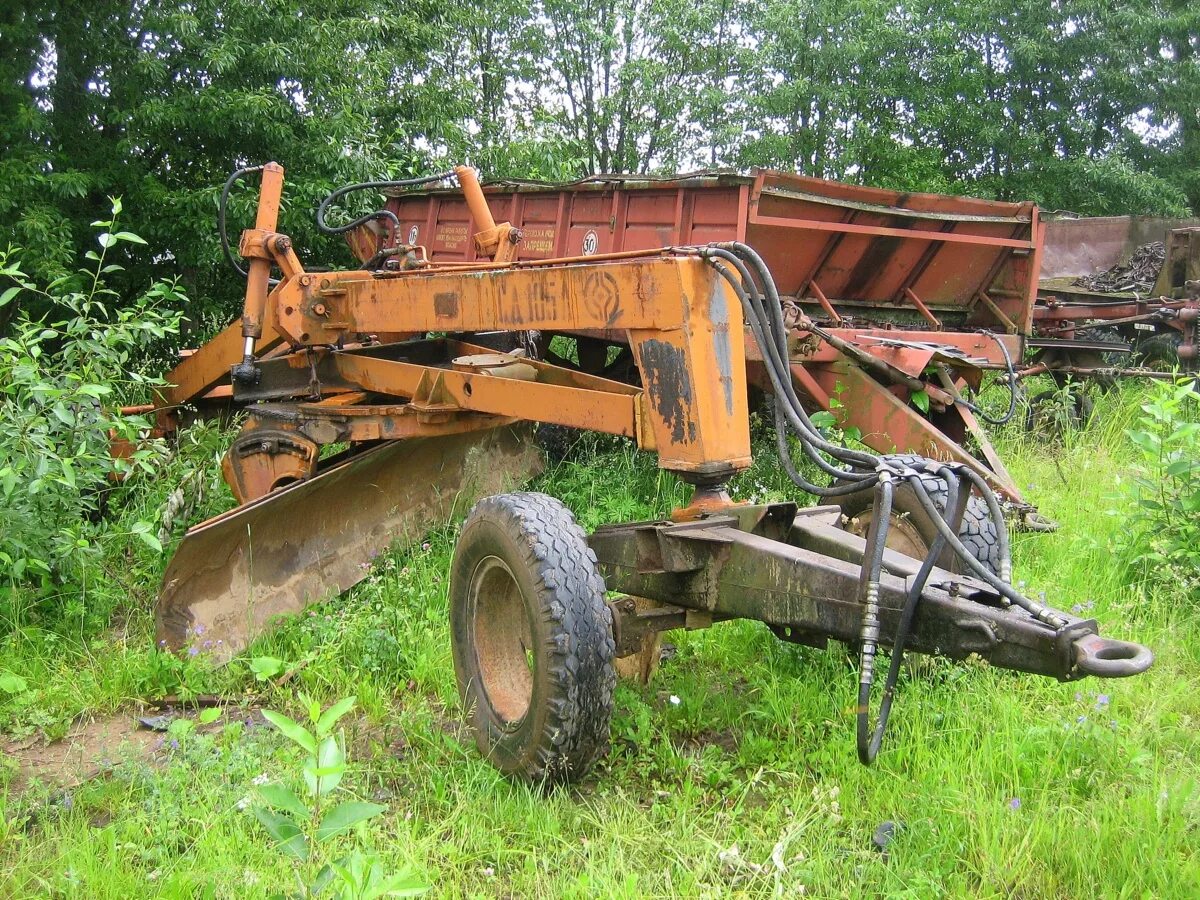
[
  {"x": 305, "y": 280},
  {"x": 318, "y": 309}
]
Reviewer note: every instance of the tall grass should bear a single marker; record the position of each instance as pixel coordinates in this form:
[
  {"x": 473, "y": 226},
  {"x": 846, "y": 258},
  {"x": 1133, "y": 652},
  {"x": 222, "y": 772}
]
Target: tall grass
[{"x": 733, "y": 771}]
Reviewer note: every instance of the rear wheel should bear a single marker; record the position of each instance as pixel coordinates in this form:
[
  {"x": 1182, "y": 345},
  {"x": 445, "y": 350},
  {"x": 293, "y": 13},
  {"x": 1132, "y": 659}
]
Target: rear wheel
[
  {"x": 1160, "y": 351},
  {"x": 912, "y": 532},
  {"x": 532, "y": 638},
  {"x": 1052, "y": 414}
]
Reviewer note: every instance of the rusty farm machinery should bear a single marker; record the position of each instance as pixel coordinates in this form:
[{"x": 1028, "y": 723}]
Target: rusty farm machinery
[{"x": 378, "y": 399}]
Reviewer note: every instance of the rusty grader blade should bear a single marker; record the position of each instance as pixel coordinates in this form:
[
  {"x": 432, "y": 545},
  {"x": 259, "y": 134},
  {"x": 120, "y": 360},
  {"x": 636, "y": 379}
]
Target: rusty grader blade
[{"x": 233, "y": 575}]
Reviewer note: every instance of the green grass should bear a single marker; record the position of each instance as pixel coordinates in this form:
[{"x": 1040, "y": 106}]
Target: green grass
[{"x": 1005, "y": 785}]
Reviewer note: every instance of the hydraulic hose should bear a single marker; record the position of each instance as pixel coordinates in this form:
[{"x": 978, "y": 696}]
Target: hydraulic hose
[
  {"x": 222, "y": 205},
  {"x": 325, "y": 228},
  {"x": 853, "y": 471}
]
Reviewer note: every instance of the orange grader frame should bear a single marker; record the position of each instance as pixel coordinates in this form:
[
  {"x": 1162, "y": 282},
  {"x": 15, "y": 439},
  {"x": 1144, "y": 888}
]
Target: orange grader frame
[{"x": 347, "y": 358}]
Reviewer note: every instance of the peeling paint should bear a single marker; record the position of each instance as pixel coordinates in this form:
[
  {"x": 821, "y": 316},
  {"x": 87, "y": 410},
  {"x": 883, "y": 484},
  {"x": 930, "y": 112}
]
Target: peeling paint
[
  {"x": 669, "y": 386},
  {"x": 718, "y": 313}
]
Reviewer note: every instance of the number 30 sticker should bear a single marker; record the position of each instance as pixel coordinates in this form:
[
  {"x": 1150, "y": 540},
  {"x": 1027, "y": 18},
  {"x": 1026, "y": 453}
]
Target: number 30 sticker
[
  {"x": 412, "y": 235},
  {"x": 590, "y": 242}
]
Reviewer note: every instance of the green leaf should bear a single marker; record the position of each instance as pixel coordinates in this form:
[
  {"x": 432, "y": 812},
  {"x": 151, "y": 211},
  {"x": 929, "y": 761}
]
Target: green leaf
[
  {"x": 276, "y": 796},
  {"x": 12, "y": 684},
  {"x": 292, "y": 730},
  {"x": 330, "y": 717},
  {"x": 210, "y": 715},
  {"x": 287, "y": 834},
  {"x": 1182, "y": 467},
  {"x": 823, "y": 419},
  {"x": 920, "y": 400},
  {"x": 266, "y": 667},
  {"x": 128, "y": 236},
  {"x": 344, "y": 816},
  {"x": 106, "y": 239},
  {"x": 150, "y": 540},
  {"x": 330, "y": 764},
  {"x": 8, "y": 295}
]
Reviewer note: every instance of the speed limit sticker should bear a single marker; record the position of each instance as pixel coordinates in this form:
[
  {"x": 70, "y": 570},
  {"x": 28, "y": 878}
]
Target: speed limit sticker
[{"x": 590, "y": 243}]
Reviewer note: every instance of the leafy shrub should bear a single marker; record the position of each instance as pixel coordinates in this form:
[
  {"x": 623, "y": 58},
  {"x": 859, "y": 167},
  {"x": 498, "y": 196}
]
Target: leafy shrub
[
  {"x": 304, "y": 829},
  {"x": 63, "y": 376},
  {"x": 1162, "y": 537}
]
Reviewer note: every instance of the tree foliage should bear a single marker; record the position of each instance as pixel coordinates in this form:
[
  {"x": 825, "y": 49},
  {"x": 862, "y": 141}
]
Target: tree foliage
[{"x": 1079, "y": 104}]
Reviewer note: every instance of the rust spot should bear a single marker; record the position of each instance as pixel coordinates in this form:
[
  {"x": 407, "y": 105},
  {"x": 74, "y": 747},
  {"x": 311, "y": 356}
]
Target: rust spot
[
  {"x": 445, "y": 304},
  {"x": 669, "y": 386}
]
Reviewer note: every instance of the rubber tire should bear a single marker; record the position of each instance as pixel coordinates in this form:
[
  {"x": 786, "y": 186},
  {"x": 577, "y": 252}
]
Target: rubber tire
[
  {"x": 1078, "y": 416},
  {"x": 566, "y": 725},
  {"x": 1160, "y": 351},
  {"x": 977, "y": 531}
]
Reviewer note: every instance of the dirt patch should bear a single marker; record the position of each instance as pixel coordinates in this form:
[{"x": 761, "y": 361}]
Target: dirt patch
[
  {"x": 725, "y": 740},
  {"x": 95, "y": 745},
  {"x": 88, "y": 749}
]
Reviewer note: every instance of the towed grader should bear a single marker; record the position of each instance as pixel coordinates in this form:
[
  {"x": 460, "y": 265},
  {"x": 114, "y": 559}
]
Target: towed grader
[{"x": 424, "y": 374}]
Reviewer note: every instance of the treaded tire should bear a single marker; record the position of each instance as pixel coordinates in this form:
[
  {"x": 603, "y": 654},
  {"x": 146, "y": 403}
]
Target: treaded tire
[
  {"x": 532, "y": 638},
  {"x": 1160, "y": 351},
  {"x": 977, "y": 532},
  {"x": 1046, "y": 414}
]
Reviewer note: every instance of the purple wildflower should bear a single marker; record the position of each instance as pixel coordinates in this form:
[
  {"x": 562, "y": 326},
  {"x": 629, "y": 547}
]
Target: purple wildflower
[
  {"x": 1102, "y": 701},
  {"x": 193, "y": 651},
  {"x": 1014, "y": 803}
]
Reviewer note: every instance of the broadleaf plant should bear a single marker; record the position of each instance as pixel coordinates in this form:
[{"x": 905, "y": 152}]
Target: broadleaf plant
[{"x": 303, "y": 829}]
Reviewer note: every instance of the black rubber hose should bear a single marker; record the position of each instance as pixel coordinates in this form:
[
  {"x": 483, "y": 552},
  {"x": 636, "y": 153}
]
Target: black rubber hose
[
  {"x": 1041, "y": 613},
  {"x": 779, "y": 372},
  {"x": 869, "y": 749},
  {"x": 779, "y": 327},
  {"x": 789, "y": 407},
  {"x": 1012, "y": 388},
  {"x": 222, "y": 205},
  {"x": 872, "y": 566},
  {"x": 326, "y": 228}
]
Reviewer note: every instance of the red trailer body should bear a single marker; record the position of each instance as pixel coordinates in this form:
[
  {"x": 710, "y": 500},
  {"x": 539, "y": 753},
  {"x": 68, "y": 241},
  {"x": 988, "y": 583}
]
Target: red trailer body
[
  {"x": 870, "y": 252},
  {"x": 913, "y": 280}
]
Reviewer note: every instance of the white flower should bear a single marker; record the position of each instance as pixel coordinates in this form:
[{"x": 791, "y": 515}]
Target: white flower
[
  {"x": 675, "y": 701},
  {"x": 260, "y": 780}
]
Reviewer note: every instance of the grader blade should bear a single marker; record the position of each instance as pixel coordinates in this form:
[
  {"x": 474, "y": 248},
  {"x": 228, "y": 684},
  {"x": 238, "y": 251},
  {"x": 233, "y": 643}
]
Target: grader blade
[{"x": 233, "y": 575}]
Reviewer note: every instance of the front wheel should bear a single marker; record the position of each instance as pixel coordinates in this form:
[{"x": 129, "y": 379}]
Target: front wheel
[
  {"x": 911, "y": 531},
  {"x": 532, "y": 638}
]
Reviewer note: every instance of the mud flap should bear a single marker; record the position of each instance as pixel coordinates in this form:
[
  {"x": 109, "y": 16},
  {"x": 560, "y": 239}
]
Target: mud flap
[{"x": 235, "y": 574}]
